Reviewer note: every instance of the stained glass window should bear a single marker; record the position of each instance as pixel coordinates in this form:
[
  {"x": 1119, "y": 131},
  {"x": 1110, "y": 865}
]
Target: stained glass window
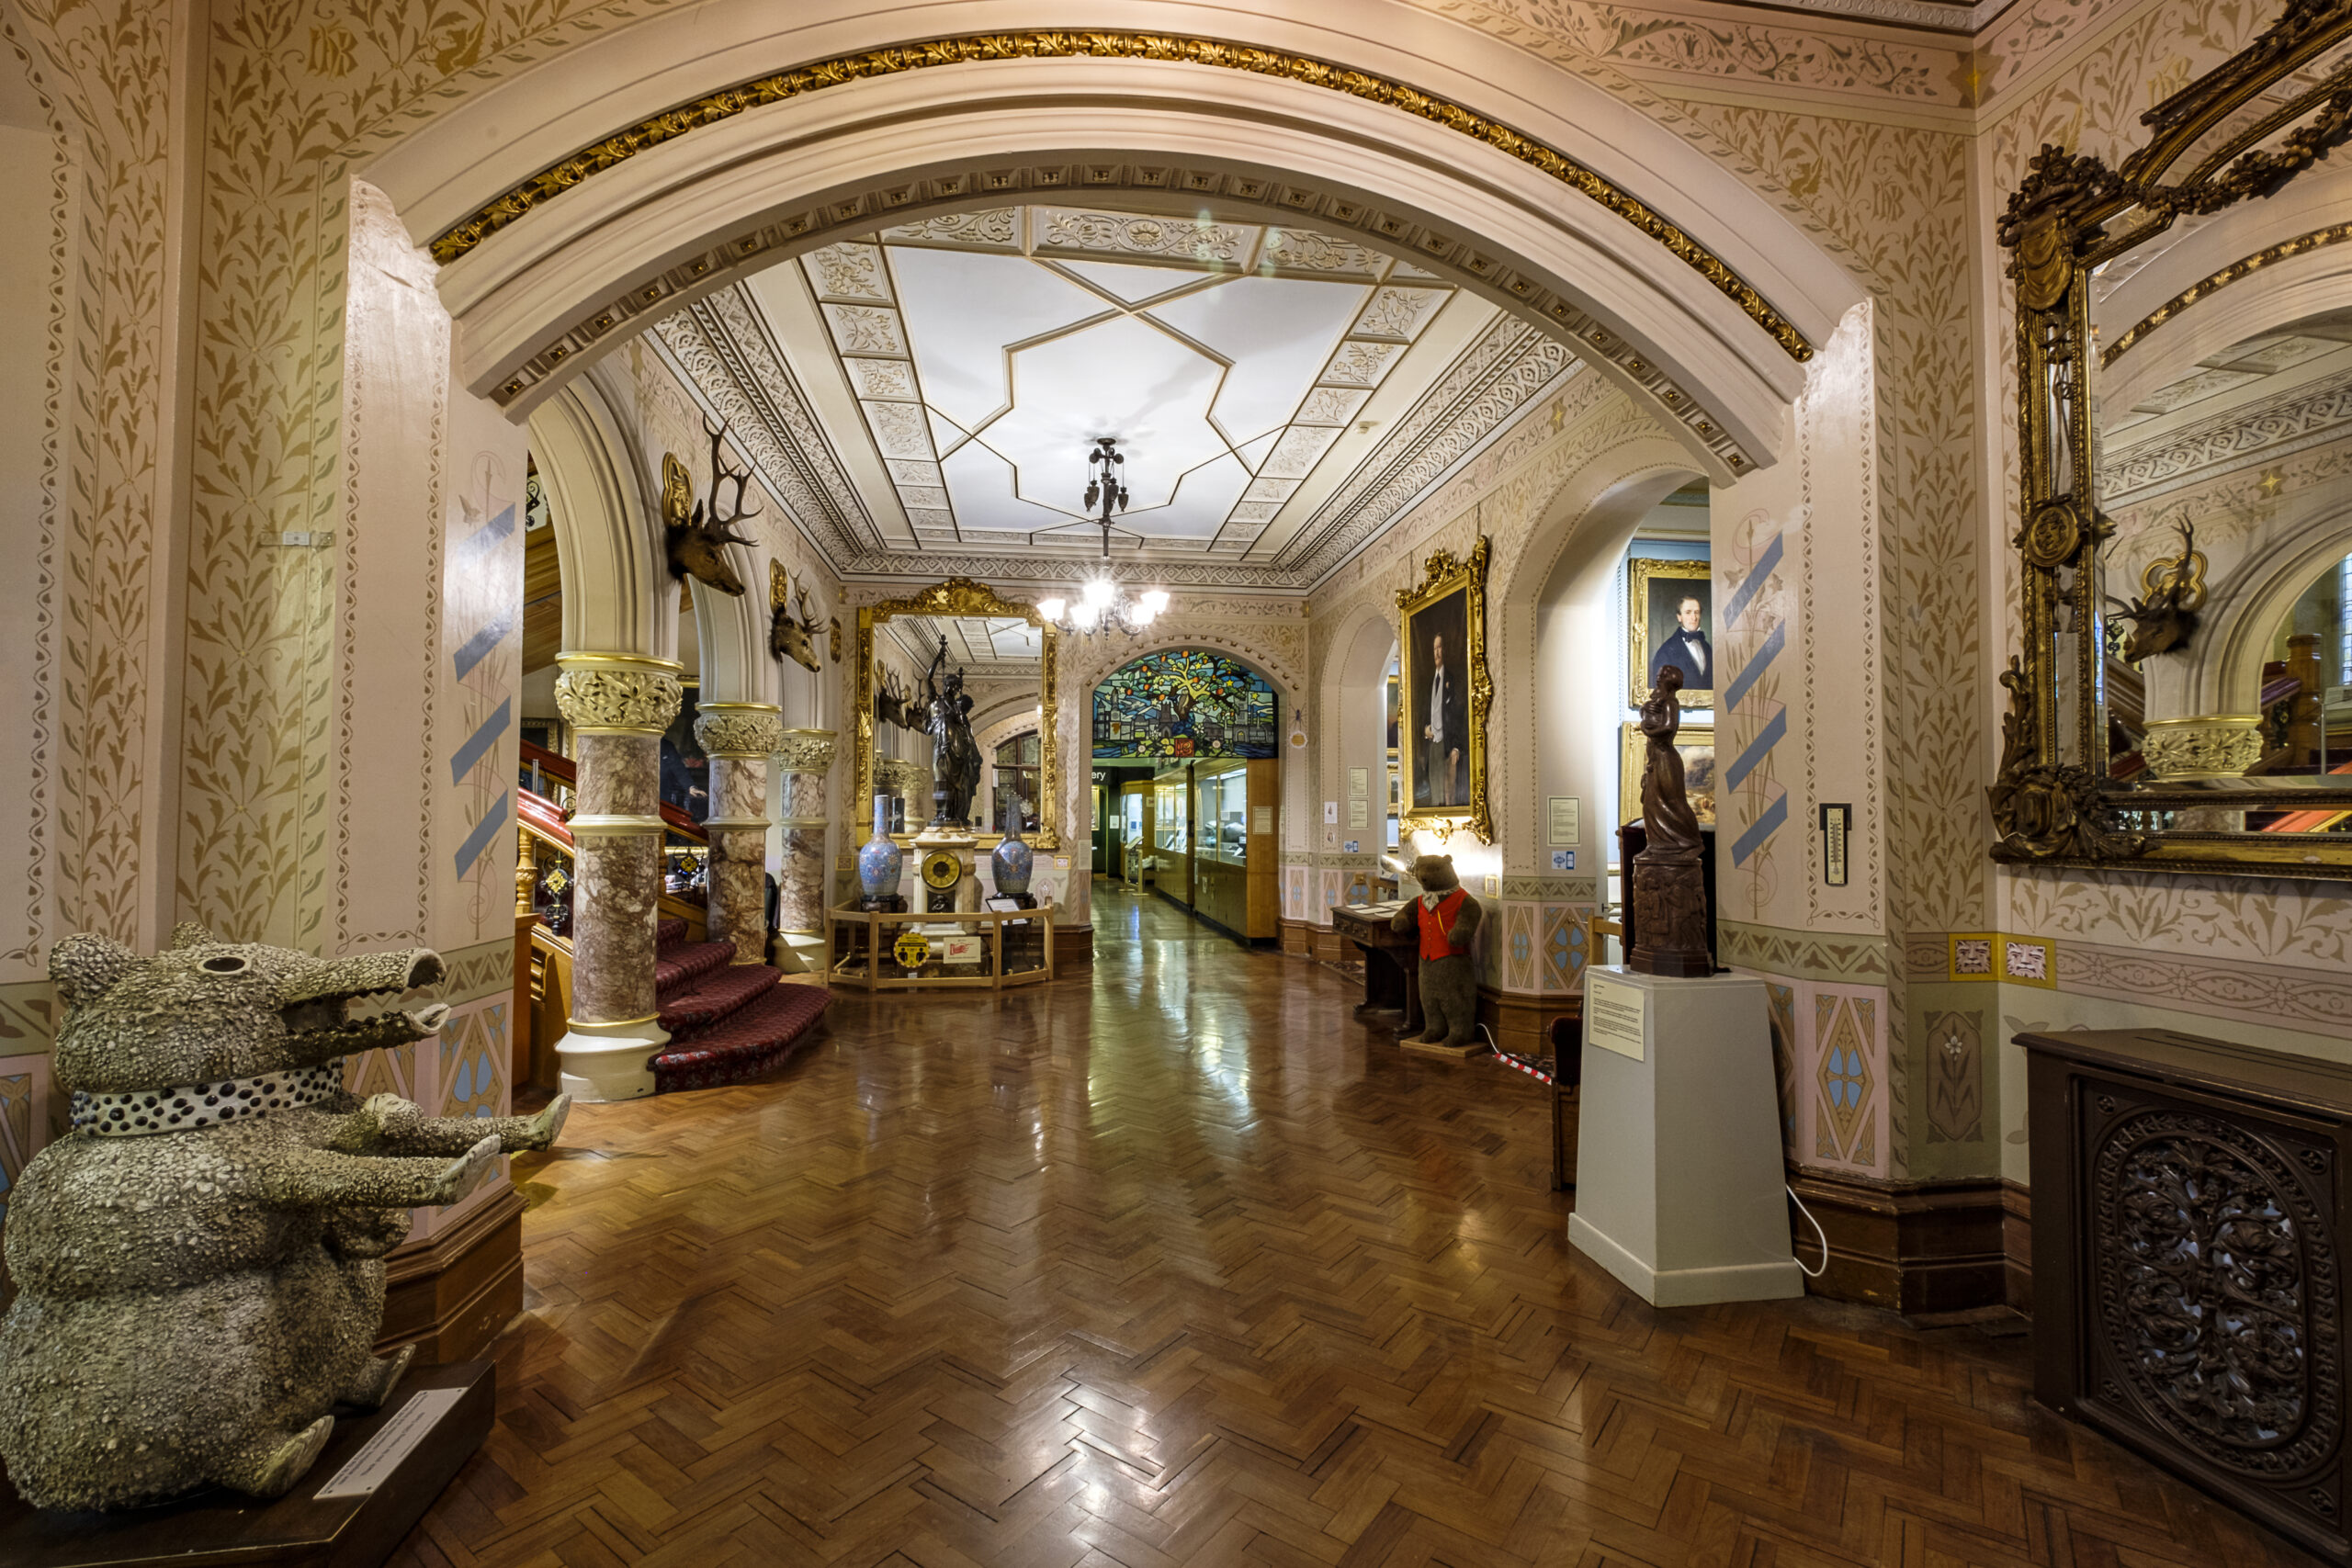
[{"x": 1185, "y": 702}]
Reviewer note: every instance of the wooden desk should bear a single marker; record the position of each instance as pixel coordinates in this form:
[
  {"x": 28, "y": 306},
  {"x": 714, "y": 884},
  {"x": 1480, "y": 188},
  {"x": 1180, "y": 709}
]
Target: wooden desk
[{"x": 1392, "y": 976}]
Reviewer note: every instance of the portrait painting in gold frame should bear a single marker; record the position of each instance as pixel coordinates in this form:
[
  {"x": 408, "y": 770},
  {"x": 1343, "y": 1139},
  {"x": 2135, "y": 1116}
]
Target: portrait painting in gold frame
[
  {"x": 1443, "y": 693},
  {"x": 1669, "y": 614}
]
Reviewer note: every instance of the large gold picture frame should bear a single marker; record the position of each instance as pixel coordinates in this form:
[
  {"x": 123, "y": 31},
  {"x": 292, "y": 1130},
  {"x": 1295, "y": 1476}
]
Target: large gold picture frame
[
  {"x": 2240, "y": 132},
  {"x": 1694, "y": 578},
  {"x": 962, "y": 596},
  {"x": 1451, "y": 598}
]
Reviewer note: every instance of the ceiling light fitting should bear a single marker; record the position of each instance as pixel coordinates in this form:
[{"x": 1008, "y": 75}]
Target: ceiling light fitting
[
  {"x": 1106, "y": 492},
  {"x": 1102, "y": 607}
]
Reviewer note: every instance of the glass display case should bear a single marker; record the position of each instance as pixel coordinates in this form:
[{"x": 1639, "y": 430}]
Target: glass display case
[
  {"x": 1236, "y": 879},
  {"x": 1225, "y": 814},
  {"x": 1136, "y": 859},
  {"x": 1171, "y": 801}
]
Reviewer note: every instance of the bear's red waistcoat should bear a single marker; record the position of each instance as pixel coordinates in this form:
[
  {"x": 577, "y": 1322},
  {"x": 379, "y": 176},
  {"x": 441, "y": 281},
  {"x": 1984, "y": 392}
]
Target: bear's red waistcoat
[{"x": 1437, "y": 925}]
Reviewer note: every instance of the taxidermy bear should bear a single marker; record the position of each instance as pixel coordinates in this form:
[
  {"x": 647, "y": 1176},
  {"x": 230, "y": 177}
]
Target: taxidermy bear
[
  {"x": 1447, "y": 918},
  {"x": 200, "y": 1262}
]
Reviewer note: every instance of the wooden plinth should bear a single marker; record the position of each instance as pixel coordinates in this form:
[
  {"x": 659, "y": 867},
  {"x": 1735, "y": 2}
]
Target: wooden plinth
[
  {"x": 298, "y": 1531},
  {"x": 1442, "y": 1052}
]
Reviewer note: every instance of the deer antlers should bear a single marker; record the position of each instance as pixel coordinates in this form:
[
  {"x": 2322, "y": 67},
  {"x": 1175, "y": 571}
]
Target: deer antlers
[
  {"x": 698, "y": 545},
  {"x": 2165, "y": 618},
  {"x": 789, "y": 637}
]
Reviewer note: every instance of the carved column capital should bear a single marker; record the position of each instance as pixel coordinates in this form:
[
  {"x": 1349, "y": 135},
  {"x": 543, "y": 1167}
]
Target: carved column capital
[
  {"x": 806, "y": 750},
  {"x": 737, "y": 729},
  {"x": 2213, "y": 746},
  {"x": 608, "y": 691}
]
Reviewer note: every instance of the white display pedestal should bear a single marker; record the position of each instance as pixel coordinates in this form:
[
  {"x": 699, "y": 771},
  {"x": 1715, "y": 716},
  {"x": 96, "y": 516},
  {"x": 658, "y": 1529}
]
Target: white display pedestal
[{"x": 1679, "y": 1182}]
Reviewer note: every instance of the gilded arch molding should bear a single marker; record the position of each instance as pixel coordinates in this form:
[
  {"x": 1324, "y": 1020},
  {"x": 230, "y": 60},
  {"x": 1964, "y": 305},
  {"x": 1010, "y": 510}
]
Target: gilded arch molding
[
  {"x": 1174, "y": 185},
  {"x": 1105, "y": 44}
]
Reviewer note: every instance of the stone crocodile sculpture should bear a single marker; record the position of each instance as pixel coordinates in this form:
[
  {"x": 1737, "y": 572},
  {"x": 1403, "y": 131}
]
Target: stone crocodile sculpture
[{"x": 200, "y": 1262}]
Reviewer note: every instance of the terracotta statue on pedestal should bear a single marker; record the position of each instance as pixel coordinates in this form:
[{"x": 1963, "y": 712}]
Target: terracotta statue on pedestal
[{"x": 1670, "y": 879}]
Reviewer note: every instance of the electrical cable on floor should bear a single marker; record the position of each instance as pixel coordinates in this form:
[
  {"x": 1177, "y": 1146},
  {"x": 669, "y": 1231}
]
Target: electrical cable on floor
[{"x": 1809, "y": 1273}]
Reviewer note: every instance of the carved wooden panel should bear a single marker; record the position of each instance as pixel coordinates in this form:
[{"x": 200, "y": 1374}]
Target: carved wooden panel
[{"x": 2188, "y": 1264}]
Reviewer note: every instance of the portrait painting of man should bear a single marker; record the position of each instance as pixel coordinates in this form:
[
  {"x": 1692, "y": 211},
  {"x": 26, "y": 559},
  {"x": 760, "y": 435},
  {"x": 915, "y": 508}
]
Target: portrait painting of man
[
  {"x": 1437, "y": 699},
  {"x": 1672, "y": 612}
]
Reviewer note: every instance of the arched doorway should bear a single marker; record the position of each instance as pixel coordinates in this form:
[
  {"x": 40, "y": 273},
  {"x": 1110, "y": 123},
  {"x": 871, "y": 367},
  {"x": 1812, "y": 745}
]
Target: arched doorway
[{"x": 1186, "y": 748}]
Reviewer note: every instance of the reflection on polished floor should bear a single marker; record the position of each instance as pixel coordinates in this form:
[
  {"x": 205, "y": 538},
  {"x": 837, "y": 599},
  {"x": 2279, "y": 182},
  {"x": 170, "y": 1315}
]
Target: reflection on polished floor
[{"x": 1177, "y": 1263}]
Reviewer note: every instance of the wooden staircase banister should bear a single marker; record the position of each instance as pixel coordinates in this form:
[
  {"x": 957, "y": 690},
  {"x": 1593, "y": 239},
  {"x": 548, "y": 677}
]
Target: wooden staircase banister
[{"x": 564, "y": 770}]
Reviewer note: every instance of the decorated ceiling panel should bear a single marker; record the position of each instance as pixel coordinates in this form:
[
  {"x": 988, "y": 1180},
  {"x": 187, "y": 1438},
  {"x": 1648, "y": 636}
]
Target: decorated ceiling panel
[{"x": 963, "y": 367}]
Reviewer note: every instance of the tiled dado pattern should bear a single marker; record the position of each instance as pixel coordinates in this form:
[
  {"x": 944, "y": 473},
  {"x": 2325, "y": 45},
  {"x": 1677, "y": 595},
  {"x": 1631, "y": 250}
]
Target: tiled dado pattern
[
  {"x": 2310, "y": 1001},
  {"x": 463, "y": 1071},
  {"x": 1828, "y": 999}
]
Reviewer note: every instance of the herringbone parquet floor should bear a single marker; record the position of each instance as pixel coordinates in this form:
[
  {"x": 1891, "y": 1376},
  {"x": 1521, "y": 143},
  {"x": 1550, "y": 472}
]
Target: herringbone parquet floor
[{"x": 1177, "y": 1264}]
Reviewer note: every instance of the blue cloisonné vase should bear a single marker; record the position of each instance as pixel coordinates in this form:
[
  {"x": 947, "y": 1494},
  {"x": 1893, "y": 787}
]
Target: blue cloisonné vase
[{"x": 880, "y": 861}]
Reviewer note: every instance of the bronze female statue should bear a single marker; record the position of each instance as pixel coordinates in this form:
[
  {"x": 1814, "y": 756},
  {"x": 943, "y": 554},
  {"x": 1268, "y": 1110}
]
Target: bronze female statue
[
  {"x": 1670, "y": 874},
  {"x": 954, "y": 755},
  {"x": 1666, "y": 807}
]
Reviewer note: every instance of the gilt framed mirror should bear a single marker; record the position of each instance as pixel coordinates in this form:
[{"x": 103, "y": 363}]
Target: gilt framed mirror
[
  {"x": 1007, "y": 652},
  {"x": 2183, "y": 697}
]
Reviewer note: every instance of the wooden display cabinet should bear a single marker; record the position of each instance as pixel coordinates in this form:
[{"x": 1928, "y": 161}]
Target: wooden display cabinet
[{"x": 1237, "y": 872}]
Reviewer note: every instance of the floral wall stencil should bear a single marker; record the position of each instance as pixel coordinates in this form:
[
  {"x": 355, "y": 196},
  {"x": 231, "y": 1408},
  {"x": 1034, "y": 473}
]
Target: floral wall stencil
[{"x": 219, "y": 768}]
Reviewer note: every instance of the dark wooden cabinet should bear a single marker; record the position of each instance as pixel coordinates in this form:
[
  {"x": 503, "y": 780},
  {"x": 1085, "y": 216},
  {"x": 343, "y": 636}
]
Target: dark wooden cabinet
[{"x": 2188, "y": 1287}]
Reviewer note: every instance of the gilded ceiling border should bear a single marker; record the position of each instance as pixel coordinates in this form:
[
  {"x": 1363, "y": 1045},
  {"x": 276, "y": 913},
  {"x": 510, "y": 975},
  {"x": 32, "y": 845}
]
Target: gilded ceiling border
[
  {"x": 2205, "y": 287},
  {"x": 726, "y": 103}
]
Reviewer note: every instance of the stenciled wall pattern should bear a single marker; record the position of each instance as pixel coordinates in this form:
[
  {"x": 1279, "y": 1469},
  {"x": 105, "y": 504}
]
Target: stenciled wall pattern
[{"x": 294, "y": 97}]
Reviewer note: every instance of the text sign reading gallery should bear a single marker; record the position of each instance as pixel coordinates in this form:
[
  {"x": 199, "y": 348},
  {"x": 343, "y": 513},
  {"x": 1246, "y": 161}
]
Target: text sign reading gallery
[{"x": 1617, "y": 1014}]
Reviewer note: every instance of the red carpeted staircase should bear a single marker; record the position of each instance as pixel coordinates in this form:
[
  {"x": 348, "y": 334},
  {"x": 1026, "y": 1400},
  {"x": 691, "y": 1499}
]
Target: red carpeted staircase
[{"x": 726, "y": 1022}]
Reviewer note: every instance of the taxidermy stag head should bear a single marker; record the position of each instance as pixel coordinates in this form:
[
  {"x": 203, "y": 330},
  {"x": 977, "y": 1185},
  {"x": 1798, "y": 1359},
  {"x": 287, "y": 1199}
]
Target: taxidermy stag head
[
  {"x": 789, "y": 637},
  {"x": 891, "y": 701},
  {"x": 2165, "y": 618},
  {"x": 699, "y": 542}
]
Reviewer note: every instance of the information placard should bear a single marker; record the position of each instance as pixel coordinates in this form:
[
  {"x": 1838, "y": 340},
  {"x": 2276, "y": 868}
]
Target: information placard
[
  {"x": 1617, "y": 1015},
  {"x": 1567, "y": 820},
  {"x": 382, "y": 1452}
]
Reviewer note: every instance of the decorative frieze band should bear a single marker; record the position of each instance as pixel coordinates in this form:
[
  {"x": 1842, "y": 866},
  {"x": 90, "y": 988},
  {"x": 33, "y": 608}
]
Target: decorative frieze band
[
  {"x": 2316, "y": 1001},
  {"x": 1805, "y": 955}
]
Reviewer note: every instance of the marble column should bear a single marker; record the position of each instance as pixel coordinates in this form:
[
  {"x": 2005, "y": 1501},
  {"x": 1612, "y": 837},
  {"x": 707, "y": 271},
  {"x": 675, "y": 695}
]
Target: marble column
[
  {"x": 738, "y": 737},
  {"x": 617, "y": 706},
  {"x": 806, "y": 757}
]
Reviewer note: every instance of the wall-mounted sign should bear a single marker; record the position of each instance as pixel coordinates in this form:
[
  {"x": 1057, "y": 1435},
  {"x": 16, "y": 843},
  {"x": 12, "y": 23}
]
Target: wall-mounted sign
[
  {"x": 1330, "y": 811},
  {"x": 1563, "y": 860},
  {"x": 1359, "y": 784},
  {"x": 1567, "y": 819},
  {"x": 1359, "y": 813},
  {"x": 1836, "y": 822},
  {"x": 1265, "y": 821}
]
